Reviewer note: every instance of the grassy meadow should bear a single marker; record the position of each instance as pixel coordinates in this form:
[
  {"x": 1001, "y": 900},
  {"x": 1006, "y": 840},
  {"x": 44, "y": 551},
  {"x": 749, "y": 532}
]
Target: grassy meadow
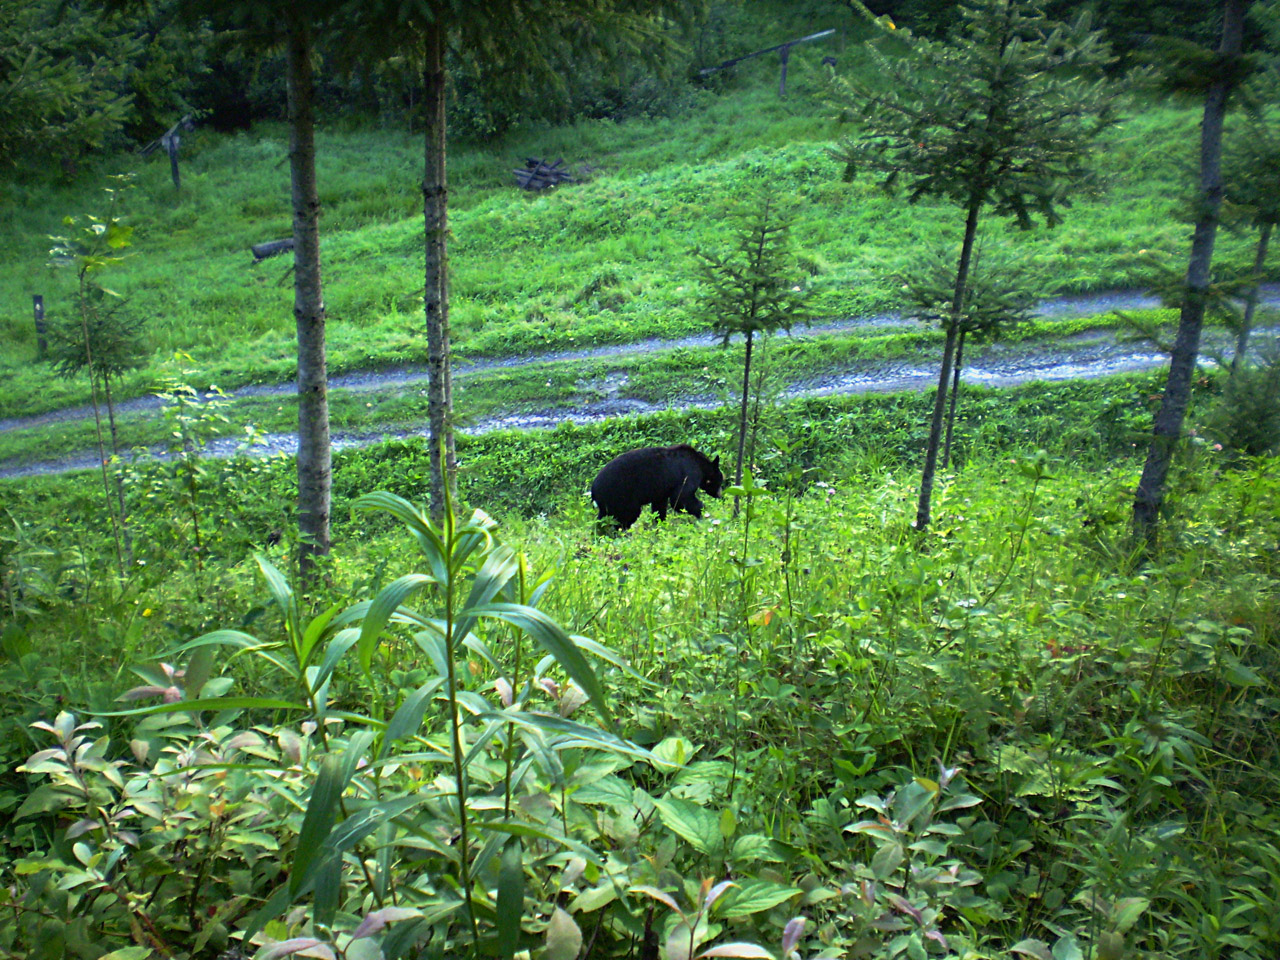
[
  {"x": 513, "y": 736},
  {"x": 609, "y": 260}
]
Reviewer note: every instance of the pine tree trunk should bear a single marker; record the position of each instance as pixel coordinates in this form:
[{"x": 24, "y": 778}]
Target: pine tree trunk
[
  {"x": 1251, "y": 302},
  {"x": 435, "y": 211},
  {"x": 742, "y": 414},
  {"x": 951, "y": 407},
  {"x": 115, "y": 451},
  {"x": 97, "y": 423},
  {"x": 924, "y": 505},
  {"x": 314, "y": 458},
  {"x": 1186, "y": 346}
]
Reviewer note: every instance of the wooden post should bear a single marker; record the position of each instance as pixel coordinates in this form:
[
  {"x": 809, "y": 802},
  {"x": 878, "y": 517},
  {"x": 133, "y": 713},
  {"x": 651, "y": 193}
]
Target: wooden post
[
  {"x": 42, "y": 344},
  {"x": 171, "y": 141},
  {"x": 785, "y": 54}
]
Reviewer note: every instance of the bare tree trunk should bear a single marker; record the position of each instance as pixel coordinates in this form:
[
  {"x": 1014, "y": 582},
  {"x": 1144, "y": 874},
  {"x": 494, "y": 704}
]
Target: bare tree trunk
[
  {"x": 951, "y": 408},
  {"x": 742, "y": 417},
  {"x": 924, "y": 505},
  {"x": 1251, "y": 302},
  {"x": 435, "y": 212},
  {"x": 115, "y": 450},
  {"x": 97, "y": 423},
  {"x": 1186, "y": 346},
  {"x": 314, "y": 457}
]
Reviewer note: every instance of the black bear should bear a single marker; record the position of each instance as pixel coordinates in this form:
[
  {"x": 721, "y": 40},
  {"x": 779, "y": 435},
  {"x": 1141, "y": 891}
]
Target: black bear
[{"x": 661, "y": 477}]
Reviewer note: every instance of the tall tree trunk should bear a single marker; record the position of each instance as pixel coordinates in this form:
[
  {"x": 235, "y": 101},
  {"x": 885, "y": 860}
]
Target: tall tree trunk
[
  {"x": 924, "y": 505},
  {"x": 1186, "y": 346},
  {"x": 742, "y": 417},
  {"x": 1251, "y": 302},
  {"x": 742, "y": 414},
  {"x": 951, "y": 407},
  {"x": 435, "y": 212},
  {"x": 314, "y": 458}
]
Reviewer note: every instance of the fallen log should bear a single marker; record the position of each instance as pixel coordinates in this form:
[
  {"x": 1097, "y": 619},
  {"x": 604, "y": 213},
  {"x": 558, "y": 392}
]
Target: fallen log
[{"x": 261, "y": 251}]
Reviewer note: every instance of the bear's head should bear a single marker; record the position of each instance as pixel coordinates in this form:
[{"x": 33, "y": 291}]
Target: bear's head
[{"x": 713, "y": 479}]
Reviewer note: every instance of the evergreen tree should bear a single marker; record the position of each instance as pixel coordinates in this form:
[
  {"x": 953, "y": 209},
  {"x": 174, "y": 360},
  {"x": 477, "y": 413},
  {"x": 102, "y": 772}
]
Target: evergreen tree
[
  {"x": 1252, "y": 181},
  {"x": 753, "y": 289},
  {"x": 1000, "y": 117},
  {"x": 994, "y": 299}
]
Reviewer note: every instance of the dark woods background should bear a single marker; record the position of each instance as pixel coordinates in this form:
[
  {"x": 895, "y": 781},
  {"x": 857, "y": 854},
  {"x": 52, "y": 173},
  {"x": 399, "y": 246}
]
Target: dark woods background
[{"x": 113, "y": 80}]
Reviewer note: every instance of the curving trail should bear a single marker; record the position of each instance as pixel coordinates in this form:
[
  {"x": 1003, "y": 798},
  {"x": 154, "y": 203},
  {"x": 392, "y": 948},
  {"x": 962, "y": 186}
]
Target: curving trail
[{"x": 994, "y": 365}]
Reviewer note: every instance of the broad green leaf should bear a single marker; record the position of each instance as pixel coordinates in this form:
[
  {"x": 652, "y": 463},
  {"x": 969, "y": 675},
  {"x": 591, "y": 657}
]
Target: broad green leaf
[
  {"x": 199, "y": 669},
  {"x": 594, "y": 898},
  {"x": 128, "y": 953},
  {"x": 886, "y": 860},
  {"x": 328, "y": 890},
  {"x": 281, "y": 593},
  {"x": 755, "y": 847},
  {"x": 209, "y": 703},
  {"x": 582, "y": 734},
  {"x": 610, "y": 790},
  {"x": 556, "y": 642},
  {"x": 334, "y": 653},
  {"x": 748, "y": 950},
  {"x": 911, "y": 801},
  {"x": 700, "y": 827},
  {"x": 1127, "y": 912},
  {"x": 498, "y": 568},
  {"x": 660, "y": 896},
  {"x": 564, "y": 939},
  {"x": 359, "y": 825},
  {"x": 673, "y": 752},
  {"x": 317, "y": 824},
  {"x": 389, "y": 599},
  {"x": 755, "y": 896},
  {"x": 510, "y": 904},
  {"x": 313, "y": 634},
  {"x": 429, "y": 541},
  {"x": 408, "y": 716},
  {"x": 44, "y": 798}
]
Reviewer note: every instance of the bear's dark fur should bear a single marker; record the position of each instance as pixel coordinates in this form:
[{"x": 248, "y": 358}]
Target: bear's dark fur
[{"x": 660, "y": 477}]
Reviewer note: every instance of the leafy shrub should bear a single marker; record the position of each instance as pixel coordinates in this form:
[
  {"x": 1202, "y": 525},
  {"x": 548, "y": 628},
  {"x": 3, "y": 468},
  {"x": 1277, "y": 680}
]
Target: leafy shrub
[{"x": 1246, "y": 419}]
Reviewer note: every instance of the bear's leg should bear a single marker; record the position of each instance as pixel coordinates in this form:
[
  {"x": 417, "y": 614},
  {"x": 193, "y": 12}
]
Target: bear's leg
[{"x": 691, "y": 505}]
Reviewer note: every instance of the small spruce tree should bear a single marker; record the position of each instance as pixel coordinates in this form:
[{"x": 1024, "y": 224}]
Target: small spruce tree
[
  {"x": 995, "y": 299},
  {"x": 752, "y": 289},
  {"x": 1252, "y": 176}
]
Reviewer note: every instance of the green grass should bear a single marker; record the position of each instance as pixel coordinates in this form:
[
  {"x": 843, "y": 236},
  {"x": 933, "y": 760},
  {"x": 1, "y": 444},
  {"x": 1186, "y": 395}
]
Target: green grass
[
  {"x": 1116, "y": 721},
  {"x": 604, "y": 261}
]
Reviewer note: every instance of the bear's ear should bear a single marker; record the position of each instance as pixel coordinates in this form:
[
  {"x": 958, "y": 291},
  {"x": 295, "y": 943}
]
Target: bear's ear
[{"x": 716, "y": 462}]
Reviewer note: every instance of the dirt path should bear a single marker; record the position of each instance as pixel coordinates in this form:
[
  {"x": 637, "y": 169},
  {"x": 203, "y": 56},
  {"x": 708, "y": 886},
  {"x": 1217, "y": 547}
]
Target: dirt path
[
  {"x": 995, "y": 365},
  {"x": 1059, "y": 308}
]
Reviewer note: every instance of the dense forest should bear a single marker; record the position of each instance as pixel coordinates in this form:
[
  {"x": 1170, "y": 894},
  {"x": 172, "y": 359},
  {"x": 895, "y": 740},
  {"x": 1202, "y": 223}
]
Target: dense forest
[{"x": 652, "y": 479}]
